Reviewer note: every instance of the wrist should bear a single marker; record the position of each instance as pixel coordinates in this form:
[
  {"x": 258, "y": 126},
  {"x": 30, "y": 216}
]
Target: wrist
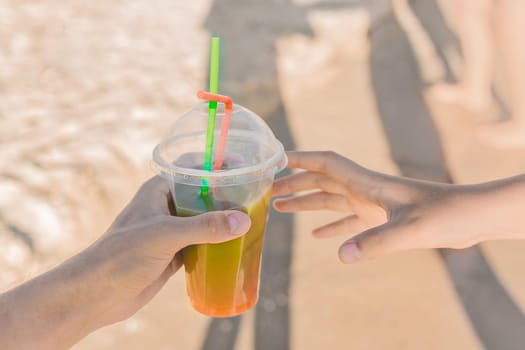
[
  {"x": 500, "y": 208},
  {"x": 89, "y": 276}
]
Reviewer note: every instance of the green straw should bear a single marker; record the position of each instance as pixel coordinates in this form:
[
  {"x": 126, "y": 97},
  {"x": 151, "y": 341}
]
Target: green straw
[{"x": 215, "y": 51}]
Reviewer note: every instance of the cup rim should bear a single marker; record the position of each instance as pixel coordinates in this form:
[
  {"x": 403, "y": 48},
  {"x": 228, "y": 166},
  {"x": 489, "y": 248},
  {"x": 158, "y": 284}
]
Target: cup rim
[{"x": 278, "y": 161}]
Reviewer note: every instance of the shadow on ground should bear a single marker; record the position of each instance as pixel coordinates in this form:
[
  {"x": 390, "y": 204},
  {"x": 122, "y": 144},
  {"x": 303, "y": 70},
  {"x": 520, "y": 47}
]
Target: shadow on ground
[
  {"x": 415, "y": 147},
  {"x": 250, "y": 76}
]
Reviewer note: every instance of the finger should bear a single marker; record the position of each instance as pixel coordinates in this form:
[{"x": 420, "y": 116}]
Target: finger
[
  {"x": 313, "y": 201},
  {"x": 356, "y": 179},
  {"x": 150, "y": 291},
  {"x": 175, "y": 264},
  {"x": 327, "y": 162},
  {"x": 349, "y": 225},
  {"x": 152, "y": 197},
  {"x": 376, "y": 242},
  {"x": 211, "y": 227},
  {"x": 307, "y": 180},
  {"x": 150, "y": 200}
]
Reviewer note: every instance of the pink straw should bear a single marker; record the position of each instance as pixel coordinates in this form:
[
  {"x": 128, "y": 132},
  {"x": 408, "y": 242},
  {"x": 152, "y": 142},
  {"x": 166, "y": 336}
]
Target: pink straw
[{"x": 228, "y": 106}]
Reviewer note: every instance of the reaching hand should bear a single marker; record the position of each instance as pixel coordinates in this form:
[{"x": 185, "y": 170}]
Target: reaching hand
[{"x": 384, "y": 213}]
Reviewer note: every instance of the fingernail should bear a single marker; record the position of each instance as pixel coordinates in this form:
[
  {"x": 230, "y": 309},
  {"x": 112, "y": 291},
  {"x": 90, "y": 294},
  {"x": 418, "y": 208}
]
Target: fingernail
[
  {"x": 349, "y": 252},
  {"x": 235, "y": 220}
]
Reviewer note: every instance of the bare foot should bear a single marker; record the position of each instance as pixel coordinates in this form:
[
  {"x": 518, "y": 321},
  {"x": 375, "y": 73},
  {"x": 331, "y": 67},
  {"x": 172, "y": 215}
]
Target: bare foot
[
  {"x": 504, "y": 135},
  {"x": 459, "y": 95}
]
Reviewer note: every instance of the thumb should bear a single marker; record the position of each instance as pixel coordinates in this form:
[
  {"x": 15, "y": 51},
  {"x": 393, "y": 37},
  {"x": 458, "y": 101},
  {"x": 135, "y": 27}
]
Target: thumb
[
  {"x": 211, "y": 227},
  {"x": 375, "y": 242}
]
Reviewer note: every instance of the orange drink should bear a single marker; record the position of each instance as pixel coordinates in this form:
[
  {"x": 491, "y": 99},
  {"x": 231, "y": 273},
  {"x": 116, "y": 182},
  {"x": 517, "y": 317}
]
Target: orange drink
[{"x": 223, "y": 279}]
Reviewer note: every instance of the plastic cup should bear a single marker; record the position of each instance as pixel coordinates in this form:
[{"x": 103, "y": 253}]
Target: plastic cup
[{"x": 222, "y": 279}]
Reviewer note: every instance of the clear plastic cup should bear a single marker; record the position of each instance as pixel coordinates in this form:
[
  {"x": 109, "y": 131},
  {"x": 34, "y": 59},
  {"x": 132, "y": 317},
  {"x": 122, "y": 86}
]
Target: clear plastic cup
[{"x": 222, "y": 279}]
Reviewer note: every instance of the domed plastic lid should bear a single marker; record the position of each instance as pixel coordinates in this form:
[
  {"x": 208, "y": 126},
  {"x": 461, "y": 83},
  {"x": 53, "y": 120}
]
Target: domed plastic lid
[{"x": 251, "y": 150}]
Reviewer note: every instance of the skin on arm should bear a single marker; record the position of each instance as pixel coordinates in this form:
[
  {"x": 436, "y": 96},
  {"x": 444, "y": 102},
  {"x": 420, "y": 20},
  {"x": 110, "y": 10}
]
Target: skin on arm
[
  {"x": 114, "y": 277},
  {"x": 387, "y": 213}
]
